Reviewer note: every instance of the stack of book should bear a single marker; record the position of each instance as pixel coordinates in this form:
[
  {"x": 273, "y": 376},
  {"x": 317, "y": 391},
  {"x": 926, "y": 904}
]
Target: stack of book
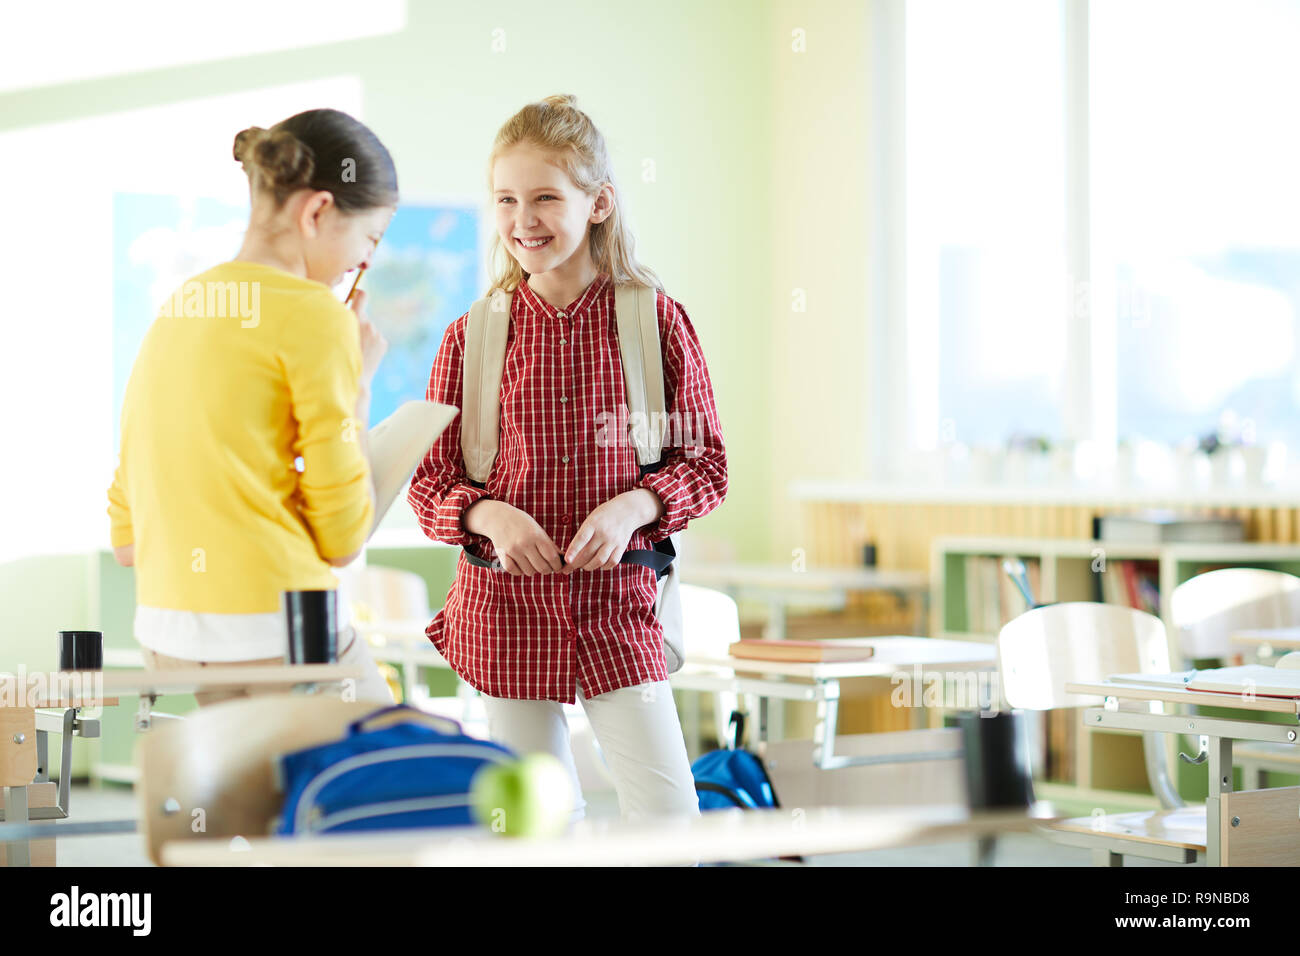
[
  {"x": 1130, "y": 584},
  {"x": 992, "y": 598},
  {"x": 1168, "y": 527}
]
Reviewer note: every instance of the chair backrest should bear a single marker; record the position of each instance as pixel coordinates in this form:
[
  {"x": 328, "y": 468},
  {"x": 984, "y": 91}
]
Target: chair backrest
[
  {"x": 212, "y": 774},
  {"x": 1043, "y": 649},
  {"x": 1206, "y": 610},
  {"x": 392, "y": 594},
  {"x": 711, "y": 622}
]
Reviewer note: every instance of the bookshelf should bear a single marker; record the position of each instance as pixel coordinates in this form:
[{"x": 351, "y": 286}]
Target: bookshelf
[{"x": 972, "y": 597}]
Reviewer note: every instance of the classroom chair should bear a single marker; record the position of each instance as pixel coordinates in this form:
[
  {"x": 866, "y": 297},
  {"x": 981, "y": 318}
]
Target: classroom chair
[
  {"x": 212, "y": 774},
  {"x": 710, "y": 624},
  {"x": 1041, "y": 651},
  {"x": 1208, "y": 609}
]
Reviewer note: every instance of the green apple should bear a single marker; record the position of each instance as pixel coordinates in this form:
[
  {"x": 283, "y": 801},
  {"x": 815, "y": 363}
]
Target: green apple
[{"x": 528, "y": 797}]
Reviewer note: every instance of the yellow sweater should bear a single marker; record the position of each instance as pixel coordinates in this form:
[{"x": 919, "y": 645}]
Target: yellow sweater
[{"x": 246, "y": 368}]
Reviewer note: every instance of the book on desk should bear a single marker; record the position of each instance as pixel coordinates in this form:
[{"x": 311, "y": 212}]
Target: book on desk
[{"x": 812, "y": 652}]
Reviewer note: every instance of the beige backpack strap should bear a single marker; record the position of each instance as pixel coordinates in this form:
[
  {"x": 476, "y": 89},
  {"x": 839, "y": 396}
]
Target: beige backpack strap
[
  {"x": 485, "y": 359},
  {"x": 638, "y": 344}
]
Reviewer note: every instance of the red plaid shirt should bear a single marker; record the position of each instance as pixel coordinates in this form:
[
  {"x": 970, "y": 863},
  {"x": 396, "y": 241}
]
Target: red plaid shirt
[{"x": 531, "y": 637}]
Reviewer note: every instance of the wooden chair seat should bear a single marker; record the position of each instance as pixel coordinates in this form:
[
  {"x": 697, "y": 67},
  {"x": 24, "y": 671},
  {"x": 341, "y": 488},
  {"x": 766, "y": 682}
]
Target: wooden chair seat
[
  {"x": 212, "y": 774},
  {"x": 1177, "y": 834}
]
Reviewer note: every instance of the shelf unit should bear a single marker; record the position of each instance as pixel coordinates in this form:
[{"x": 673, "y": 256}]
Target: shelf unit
[{"x": 1106, "y": 765}]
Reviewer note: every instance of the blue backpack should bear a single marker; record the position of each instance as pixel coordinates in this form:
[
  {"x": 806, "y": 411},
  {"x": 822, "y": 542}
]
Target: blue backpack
[
  {"x": 726, "y": 779},
  {"x": 733, "y": 777},
  {"x": 407, "y": 774}
]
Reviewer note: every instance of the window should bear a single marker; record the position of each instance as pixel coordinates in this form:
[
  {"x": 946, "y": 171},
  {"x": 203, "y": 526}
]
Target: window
[
  {"x": 1196, "y": 214},
  {"x": 986, "y": 220},
  {"x": 1132, "y": 158}
]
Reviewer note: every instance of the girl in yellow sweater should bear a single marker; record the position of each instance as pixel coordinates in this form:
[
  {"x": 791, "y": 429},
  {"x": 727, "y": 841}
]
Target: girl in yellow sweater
[{"x": 243, "y": 469}]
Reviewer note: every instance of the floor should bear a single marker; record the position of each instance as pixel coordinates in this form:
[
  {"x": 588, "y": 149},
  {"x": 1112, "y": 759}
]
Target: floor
[{"x": 118, "y": 803}]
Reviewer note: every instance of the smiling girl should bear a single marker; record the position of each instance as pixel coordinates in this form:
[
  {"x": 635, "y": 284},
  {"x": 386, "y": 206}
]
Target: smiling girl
[{"x": 563, "y": 617}]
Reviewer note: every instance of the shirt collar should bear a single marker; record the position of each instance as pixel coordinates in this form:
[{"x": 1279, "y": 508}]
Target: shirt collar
[{"x": 581, "y": 304}]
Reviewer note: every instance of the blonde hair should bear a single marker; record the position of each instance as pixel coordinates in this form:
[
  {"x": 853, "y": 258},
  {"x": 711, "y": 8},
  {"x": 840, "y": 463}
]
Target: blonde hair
[{"x": 557, "y": 126}]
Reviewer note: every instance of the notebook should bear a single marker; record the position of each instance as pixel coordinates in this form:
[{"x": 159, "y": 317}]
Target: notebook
[
  {"x": 813, "y": 652},
  {"x": 399, "y": 443},
  {"x": 1256, "y": 679},
  {"x": 1177, "y": 679}
]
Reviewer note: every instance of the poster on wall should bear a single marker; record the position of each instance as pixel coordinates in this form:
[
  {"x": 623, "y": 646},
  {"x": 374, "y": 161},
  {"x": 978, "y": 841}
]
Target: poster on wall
[{"x": 425, "y": 274}]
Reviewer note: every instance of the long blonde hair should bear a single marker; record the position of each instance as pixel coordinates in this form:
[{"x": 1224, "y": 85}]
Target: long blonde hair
[{"x": 557, "y": 126}]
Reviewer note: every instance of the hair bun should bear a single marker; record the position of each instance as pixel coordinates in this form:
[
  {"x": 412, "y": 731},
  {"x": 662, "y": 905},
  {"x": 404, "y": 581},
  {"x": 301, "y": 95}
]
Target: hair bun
[
  {"x": 279, "y": 159},
  {"x": 284, "y": 159},
  {"x": 245, "y": 140},
  {"x": 562, "y": 99}
]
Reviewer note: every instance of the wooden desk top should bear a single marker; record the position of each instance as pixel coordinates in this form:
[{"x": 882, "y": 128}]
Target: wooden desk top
[
  {"x": 189, "y": 680},
  {"x": 814, "y": 579},
  {"x": 717, "y": 836},
  {"x": 1177, "y": 695},
  {"x": 1287, "y": 638},
  {"x": 892, "y": 655}
]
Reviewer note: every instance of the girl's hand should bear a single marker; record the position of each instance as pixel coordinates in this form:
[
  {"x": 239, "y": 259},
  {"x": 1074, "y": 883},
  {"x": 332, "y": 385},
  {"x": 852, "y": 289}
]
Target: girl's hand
[
  {"x": 520, "y": 543},
  {"x": 373, "y": 343},
  {"x": 599, "y": 543}
]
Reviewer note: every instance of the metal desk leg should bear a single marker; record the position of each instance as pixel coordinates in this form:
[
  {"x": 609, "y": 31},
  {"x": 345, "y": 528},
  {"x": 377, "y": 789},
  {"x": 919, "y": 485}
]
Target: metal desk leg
[
  {"x": 776, "y": 631},
  {"x": 17, "y": 852},
  {"x": 762, "y": 726},
  {"x": 142, "y": 714},
  {"x": 1220, "y": 783},
  {"x": 65, "y": 760},
  {"x": 828, "y": 713},
  {"x": 42, "y": 757}
]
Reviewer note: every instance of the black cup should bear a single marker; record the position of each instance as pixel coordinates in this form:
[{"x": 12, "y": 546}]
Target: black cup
[
  {"x": 312, "y": 621},
  {"x": 81, "y": 650},
  {"x": 997, "y": 760}
]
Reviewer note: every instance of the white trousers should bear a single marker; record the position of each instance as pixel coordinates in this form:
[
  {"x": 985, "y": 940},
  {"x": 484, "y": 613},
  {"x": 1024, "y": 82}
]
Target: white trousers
[{"x": 638, "y": 732}]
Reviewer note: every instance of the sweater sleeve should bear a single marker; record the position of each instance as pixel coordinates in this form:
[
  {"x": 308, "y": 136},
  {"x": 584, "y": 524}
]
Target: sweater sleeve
[
  {"x": 322, "y": 362},
  {"x": 440, "y": 490},
  {"x": 121, "y": 532},
  {"x": 692, "y": 477}
]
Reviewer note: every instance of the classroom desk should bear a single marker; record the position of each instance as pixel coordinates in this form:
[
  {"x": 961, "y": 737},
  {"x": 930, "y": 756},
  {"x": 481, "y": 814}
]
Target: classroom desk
[
  {"x": 36, "y": 798},
  {"x": 715, "y": 837},
  {"x": 820, "y": 683},
  {"x": 97, "y": 687},
  {"x": 778, "y": 585},
  {"x": 1216, "y": 733},
  {"x": 152, "y": 684},
  {"x": 1266, "y": 640}
]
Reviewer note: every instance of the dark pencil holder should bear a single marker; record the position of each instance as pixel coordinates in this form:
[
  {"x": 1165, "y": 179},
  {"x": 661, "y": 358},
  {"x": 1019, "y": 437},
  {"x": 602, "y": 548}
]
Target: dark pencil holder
[
  {"x": 998, "y": 775},
  {"x": 81, "y": 650},
  {"x": 312, "y": 621}
]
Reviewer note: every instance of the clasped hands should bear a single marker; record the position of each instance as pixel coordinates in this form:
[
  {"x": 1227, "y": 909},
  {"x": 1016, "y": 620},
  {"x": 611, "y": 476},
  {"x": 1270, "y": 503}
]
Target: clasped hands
[{"x": 524, "y": 548}]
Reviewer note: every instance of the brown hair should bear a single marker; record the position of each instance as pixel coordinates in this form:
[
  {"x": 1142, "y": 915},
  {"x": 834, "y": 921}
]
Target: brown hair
[
  {"x": 559, "y": 127},
  {"x": 319, "y": 149}
]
